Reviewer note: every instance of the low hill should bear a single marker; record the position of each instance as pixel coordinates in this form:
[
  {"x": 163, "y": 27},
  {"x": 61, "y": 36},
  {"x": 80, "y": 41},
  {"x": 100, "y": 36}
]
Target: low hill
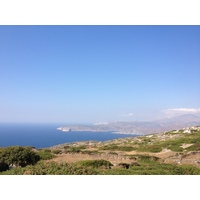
[{"x": 139, "y": 127}]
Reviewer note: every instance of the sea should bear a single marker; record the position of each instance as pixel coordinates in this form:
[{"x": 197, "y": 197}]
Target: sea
[{"x": 47, "y": 135}]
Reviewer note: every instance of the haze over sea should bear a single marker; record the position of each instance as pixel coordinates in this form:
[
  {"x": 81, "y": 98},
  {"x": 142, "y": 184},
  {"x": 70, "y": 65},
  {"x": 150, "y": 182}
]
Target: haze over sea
[{"x": 47, "y": 135}]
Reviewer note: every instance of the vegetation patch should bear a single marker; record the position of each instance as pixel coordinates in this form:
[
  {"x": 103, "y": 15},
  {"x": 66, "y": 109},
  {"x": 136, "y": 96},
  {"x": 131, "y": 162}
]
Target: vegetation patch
[
  {"x": 17, "y": 156},
  {"x": 103, "y": 167},
  {"x": 117, "y": 148},
  {"x": 94, "y": 164},
  {"x": 45, "y": 155},
  {"x": 90, "y": 152},
  {"x": 74, "y": 149},
  {"x": 194, "y": 147},
  {"x": 149, "y": 148},
  {"x": 143, "y": 157},
  {"x": 56, "y": 151}
]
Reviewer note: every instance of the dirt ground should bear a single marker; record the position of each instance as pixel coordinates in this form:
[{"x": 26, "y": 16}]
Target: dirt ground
[
  {"x": 74, "y": 157},
  {"x": 192, "y": 158},
  {"x": 119, "y": 157}
]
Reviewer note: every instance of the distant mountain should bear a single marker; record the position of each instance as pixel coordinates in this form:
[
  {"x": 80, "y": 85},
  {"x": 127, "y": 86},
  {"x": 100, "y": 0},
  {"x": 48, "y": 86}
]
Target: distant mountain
[{"x": 137, "y": 127}]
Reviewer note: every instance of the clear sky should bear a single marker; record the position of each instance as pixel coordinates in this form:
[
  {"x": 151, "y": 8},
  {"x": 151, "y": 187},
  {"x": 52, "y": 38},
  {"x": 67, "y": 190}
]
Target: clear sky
[{"x": 89, "y": 74}]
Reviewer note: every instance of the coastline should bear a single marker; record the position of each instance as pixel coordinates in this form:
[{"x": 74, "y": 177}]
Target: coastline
[{"x": 67, "y": 129}]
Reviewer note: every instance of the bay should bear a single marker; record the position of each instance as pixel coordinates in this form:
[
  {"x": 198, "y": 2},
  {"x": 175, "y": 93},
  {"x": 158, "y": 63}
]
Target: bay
[{"x": 47, "y": 135}]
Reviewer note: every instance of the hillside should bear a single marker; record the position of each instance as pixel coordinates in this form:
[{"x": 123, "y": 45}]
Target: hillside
[
  {"x": 173, "y": 152},
  {"x": 176, "y": 146}
]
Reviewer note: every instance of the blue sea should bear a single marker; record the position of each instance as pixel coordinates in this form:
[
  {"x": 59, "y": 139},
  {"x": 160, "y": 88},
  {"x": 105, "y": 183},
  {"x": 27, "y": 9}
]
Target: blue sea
[{"x": 47, "y": 135}]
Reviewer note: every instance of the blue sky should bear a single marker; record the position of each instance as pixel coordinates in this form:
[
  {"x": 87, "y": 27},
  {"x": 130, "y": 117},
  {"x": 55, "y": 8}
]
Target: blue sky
[{"x": 88, "y": 74}]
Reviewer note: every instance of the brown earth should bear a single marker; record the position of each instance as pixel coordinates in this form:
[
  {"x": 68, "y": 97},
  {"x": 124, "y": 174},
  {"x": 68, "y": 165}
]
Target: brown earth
[
  {"x": 74, "y": 157},
  {"x": 115, "y": 159},
  {"x": 168, "y": 156},
  {"x": 190, "y": 158}
]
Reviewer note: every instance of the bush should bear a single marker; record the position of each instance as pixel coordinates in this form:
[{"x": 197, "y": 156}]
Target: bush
[
  {"x": 176, "y": 148},
  {"x": 110, "y": 147},
  {"x": 56, "y": 151},
  {"x": 150, "y": 148},
  {"x": 18, "y": 156},
  {"x": 90, "y": 152},
  {"x": 94, "y": 164},
  {"x": 45, "y": 155},
  {"x": 126, "y": 148},
  {"x": 117, "y": 148},
  {"x": 47, "y": 150},
  {"x": 146, "y": 158},
  {"x": 72, "y": 149}
]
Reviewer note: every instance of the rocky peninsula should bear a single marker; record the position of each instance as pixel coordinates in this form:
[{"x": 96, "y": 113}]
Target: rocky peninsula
[{"x": 138, "y": 127}]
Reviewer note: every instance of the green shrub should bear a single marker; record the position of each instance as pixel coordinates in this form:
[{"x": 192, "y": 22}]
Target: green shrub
[
  {"x": 110, "y": 147},
  {"x": 90, "y": 152},
  {"x": 140, "y": 157},
  {"x": 150, "y": 148},
  {"x": 176, "y": 148},
  {"x": 56, "y": 151},
  {"x": 18, "y": 156},
  {"x": 94, "y": 164},
  {"x": 47, "y": 150},
  {"x": 45, "y": 155},
  {"x": 117, "y": 148},
  {"x": 73, "y": 149},
  {"x": 126, "y": 148}
]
